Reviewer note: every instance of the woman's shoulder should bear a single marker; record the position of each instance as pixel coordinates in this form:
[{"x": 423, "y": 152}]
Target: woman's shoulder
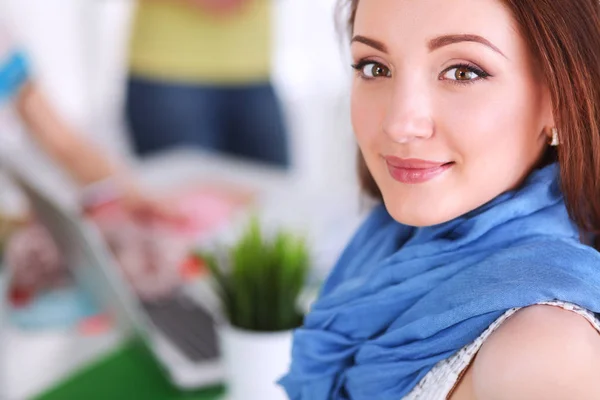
[{"x": 541, "y": 352}]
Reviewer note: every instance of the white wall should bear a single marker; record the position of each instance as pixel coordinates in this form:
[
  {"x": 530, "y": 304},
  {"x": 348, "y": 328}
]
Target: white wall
[{"x": 311, "y": 70}]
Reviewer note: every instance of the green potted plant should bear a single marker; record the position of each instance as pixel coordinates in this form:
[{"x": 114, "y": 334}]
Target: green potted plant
[{"x": 259, "y": 280}]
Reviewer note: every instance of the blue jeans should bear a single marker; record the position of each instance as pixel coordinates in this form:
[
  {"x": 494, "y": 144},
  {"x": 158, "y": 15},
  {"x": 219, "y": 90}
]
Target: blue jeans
[{"x": 244, "y": 121}]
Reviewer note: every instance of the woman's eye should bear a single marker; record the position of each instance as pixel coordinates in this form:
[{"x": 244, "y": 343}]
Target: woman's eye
[
  {"x": 372, "y": 70},
  {"x": 463, "y": 73}
]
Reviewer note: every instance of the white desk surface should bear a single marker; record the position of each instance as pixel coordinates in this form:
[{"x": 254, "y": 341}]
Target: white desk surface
[{"x": 34, "y": 362}]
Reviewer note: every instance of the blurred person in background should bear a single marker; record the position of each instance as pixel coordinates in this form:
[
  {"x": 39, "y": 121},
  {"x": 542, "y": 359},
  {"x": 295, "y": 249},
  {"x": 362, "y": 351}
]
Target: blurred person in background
[
  {"x": 200, "y": 75},
  {"x": 31, "y": 254}
]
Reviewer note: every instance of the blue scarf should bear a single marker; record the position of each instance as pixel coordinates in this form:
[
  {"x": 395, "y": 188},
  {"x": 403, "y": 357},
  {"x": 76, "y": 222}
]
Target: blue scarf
[{"x": 401, "y": 299}]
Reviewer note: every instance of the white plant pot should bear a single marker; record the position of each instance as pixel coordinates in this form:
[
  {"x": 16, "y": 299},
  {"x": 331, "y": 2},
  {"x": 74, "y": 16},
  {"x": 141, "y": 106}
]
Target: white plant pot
[{"x": 254, "y": 362}]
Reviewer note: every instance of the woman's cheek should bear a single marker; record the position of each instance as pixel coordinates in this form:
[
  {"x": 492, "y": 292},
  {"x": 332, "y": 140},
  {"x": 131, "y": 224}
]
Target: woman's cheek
[{"x": 368, "y": 110}]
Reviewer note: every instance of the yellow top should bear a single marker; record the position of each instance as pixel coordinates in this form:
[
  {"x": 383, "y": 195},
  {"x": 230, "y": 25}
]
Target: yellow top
[{"x": 175, "y": 41}]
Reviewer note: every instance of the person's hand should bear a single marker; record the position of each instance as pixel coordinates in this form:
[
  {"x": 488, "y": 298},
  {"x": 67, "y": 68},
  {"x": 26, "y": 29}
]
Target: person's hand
[
  {"x": 125, "y": 195},
  {"x": 145, "y": 208}
]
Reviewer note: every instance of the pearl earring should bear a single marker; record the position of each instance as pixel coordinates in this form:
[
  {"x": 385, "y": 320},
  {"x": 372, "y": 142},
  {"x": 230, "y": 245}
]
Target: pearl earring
[{"x": 554, "y": 140}]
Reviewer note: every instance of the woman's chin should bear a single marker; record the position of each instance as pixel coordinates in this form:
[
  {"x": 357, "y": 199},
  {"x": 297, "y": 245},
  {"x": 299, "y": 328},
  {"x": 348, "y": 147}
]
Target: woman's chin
[{"x": 421, "y": 214}]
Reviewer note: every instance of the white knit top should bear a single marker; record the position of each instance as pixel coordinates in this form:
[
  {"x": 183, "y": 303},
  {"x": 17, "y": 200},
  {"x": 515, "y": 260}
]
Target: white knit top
[{"x": 440, "y": 381}]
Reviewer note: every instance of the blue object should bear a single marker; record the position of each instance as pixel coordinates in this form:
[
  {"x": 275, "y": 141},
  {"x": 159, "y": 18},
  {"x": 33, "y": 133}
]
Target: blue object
[
  {"x": 14, "y": 72},
  {"x": 401, "y": 299},
  {"x": 59, "y": 308},
  {"x": 243, "y": 120}
]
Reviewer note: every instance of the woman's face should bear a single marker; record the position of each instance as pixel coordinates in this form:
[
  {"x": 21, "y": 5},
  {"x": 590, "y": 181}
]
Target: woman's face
[{"x": 448, "y": 108}]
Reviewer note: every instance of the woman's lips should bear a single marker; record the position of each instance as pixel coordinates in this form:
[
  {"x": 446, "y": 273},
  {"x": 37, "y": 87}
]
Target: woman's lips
[{"x": 413, "y": 170}]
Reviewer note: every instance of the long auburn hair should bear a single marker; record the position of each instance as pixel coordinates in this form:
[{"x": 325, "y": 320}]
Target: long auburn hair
[{"x": 564, "y": 39}]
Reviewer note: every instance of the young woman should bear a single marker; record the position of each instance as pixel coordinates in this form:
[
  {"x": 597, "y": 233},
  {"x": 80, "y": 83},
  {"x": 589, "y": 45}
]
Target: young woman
[{"x": 479, "y": 130}]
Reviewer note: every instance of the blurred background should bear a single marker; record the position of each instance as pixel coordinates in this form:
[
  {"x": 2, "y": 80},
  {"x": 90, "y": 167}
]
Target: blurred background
[
  {"x": 127, "y": 81},
  {"x": 79, "y": 53}
]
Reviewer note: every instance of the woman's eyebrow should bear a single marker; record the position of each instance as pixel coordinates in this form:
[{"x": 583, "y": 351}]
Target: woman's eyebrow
[
  {"x": 376, "y": 44},
  {"x": 446, "y": 40}
]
